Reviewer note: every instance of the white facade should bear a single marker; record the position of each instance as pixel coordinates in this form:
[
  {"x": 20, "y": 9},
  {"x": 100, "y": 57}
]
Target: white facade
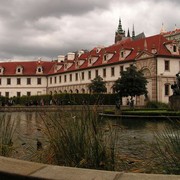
[{"x": 23, "y": 86}]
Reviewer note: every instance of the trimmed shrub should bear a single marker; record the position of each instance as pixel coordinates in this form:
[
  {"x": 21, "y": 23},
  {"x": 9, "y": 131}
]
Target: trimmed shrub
[{"x": 156, "y": 105}]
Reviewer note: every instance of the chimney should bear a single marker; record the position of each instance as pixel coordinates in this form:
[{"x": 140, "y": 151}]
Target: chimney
[
  {"x": 61, "y": 58},
  {"x": 70, "y": 56}
]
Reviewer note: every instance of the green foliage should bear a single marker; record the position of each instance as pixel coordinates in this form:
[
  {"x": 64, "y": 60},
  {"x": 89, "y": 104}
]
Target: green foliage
[
  {"x": 131, "y": 83},
  {"x": 80, "y": 141},
  {"x": 156, "y": 105},
  {"x": 66, "y": 99},
  {"x": 167, "y": 149},
  {"x": 97, "y": 85}
]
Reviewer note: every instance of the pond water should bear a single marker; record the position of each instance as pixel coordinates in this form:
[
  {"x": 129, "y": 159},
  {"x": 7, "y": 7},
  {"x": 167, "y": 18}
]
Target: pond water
[{"x": 134, "y": 135}]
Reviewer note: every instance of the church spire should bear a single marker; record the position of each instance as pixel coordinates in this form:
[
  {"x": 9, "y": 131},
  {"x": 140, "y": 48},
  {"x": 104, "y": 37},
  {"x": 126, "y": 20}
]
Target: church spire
[
  {"x": 120, "y": 30},
  {"x": 133, "y": 32},
  {"x": 128, "y": 34},
  {"x": 120, "y": 33}
]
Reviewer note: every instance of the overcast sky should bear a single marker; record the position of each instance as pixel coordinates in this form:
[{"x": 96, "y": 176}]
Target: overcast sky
[{"x": 30, "y": 29}]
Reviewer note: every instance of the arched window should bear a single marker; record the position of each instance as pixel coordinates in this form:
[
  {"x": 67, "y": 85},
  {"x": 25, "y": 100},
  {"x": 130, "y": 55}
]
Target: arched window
[
  {"x": 83, "y": 90},
  {"x": 19, "y": 70},
  {"x": 39, "y": 70}
]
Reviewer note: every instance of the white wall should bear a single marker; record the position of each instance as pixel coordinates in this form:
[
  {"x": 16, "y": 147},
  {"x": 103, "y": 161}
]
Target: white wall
[{"x": 23, "y": 88}]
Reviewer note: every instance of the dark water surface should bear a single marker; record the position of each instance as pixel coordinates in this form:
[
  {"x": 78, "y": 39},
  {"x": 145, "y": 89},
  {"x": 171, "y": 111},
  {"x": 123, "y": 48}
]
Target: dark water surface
[{"x": 133, "y": 135}]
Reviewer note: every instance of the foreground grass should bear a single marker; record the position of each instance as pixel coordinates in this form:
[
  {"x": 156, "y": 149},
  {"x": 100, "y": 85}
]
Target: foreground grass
[
  {"x": 167, "y": 150},
  {"x": 80, "y": 140},
  {"x": 7, "y": 129}
]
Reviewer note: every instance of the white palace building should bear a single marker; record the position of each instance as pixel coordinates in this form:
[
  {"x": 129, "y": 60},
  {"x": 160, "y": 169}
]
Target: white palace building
[{"x": 158, "y": 57}]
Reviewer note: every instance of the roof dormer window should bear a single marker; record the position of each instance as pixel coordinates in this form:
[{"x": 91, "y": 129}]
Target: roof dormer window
[
  {"x": 1, "y": 70},
  {"x": 39, "y": 70},
  {"x": 77, "y": 64},
  {"x": 105, "y": 57},
  {"x": 90, "y": 61},
  {"x": 122, "y": 54},
  {"x": 19, "y": 70},
  {"x": 174, "y": 48},
  {"x": 65, "y": 66}
]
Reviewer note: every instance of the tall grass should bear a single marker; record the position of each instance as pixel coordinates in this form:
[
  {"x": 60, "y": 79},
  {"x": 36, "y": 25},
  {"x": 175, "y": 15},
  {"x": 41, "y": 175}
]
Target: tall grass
[
  {"x": 81, "y": 140},
  {"x": 7, "y": 129},
  {"x": 167, "y": 150}
]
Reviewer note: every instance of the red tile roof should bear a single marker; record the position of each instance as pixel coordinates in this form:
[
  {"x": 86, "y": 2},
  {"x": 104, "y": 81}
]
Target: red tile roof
[
  {"x": 134, "y": 47},
  {"x": 29, "y": 67}
]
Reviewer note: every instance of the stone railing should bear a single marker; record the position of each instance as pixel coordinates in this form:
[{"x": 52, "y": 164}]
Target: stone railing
[{"x": 18, "y": 169}]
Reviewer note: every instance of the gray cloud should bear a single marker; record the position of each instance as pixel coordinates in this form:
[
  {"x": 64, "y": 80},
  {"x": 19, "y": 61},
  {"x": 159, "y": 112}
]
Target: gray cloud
[{"x": 47, "y": 28}]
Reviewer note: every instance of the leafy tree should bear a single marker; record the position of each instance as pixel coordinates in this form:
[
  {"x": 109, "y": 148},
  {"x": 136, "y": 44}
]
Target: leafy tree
[
  {"x": 131, "y": 83},
  {"x": 97, "y": 85}
]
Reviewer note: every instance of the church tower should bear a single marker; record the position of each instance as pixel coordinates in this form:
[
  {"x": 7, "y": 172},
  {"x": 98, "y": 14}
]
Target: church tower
[{"x": 120, "y": 33}]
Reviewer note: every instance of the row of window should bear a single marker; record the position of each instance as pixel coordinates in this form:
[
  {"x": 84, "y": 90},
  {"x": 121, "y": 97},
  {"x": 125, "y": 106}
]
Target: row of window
[
  {"x": 18, "y": 81},
  {"x": 19, "y": 70},
  {"x": 81, "y": 76},
  {"x": 18, "y": 94}
]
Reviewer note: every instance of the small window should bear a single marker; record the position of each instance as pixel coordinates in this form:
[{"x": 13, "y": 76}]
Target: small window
[
  {"x": 59, "y": 79},
  {"x": 7, "y": 94},
  {"x": 39, "y": 70},
  {"x": 166, "y": 65},
  {"x": 76, "y": 76},
  {"x": 96, "y": 72},
  {"x": 82, "y": 74},
  {"x": 112, "y": 71},
  {"x": 70, "y": 77},
  {"x": 28, "y": 93},
  {"x": 174, "y": 48},
  {"x": 0, "y": 81},
  {"x": 8, "y": 81},
  {"x": 166, "y": 89},
  {"x": 89, "y": 74},
  {"x": 28, "y": 81},
  {"x": 18, "y": 94},
  {"x": 104, "y": 72},
  {"x": 55, "y": 80},
  {"x": 38, "y": 81},
  {"x": 19, "y": 70},
  {"x": 64, "y": 78},
  {"x": 50, "y": 80},
  {"x": 18, "y": 81},
  {"x": 121, "y": 68},
  {"x": 122, "y": 54},
  {"x": 105, "y": 57}
]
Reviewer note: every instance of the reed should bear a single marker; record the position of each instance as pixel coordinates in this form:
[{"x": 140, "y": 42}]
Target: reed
[
  {"x": 7, "y": 129},
  {"x": 79, "y": 140},
  {"x": 167, "y": 149}
]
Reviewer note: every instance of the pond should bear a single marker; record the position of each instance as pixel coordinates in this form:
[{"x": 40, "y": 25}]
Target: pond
[{"x": 133, "y": 135}]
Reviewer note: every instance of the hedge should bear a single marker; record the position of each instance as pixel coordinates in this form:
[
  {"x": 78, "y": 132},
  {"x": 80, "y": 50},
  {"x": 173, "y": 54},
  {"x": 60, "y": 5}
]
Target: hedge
[{"x": 64, "y": 99}]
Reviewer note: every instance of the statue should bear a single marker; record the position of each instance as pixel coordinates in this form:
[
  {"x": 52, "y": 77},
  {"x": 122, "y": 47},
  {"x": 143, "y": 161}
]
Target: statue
[{"x": 176, "y": 86}]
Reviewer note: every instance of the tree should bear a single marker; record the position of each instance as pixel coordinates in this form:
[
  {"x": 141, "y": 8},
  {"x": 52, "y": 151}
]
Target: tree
[
  {"x": 97, "y": 85},
  {"x": 131, "y": 83}
]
